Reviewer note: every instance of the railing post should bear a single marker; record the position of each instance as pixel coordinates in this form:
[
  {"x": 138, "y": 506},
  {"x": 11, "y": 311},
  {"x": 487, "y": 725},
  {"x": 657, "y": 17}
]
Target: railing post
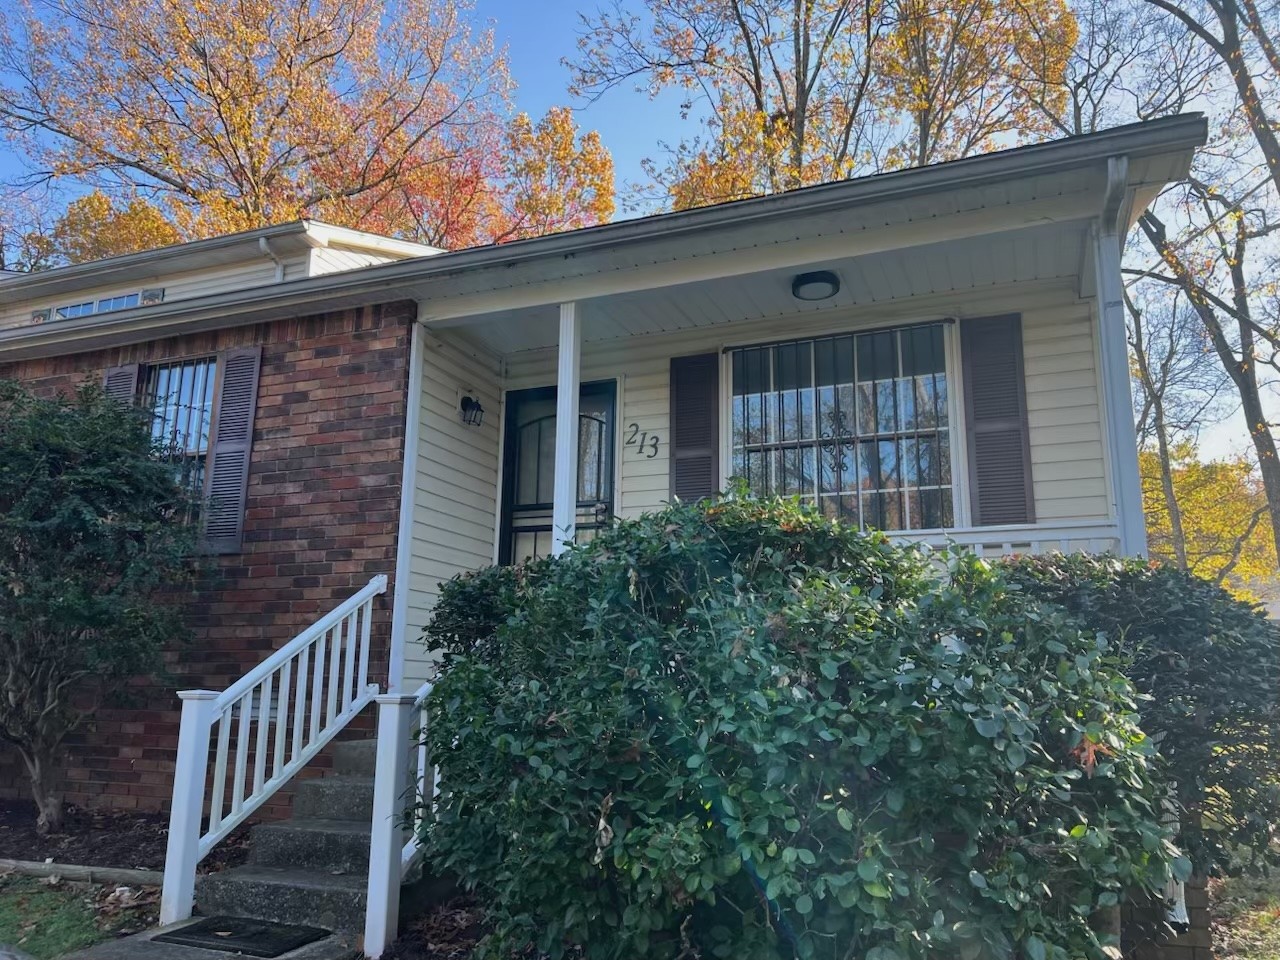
[
  {"x": 183, "y": 853},
  {"x": 391, "y": 778}
]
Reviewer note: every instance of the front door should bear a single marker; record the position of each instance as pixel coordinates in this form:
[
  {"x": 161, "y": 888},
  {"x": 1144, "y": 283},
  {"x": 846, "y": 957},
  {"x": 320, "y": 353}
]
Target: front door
[{"x": 529, "y": 468}]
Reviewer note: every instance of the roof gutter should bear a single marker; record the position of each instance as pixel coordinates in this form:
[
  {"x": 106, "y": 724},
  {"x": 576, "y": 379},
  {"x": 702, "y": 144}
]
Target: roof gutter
[{"x": 30, "y": 284}]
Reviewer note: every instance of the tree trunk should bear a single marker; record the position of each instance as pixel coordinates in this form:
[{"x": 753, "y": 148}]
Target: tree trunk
[
  {"x": 1155, "y": 396},
  {"x": 45, "y": 776},
  {"x": 1166, "y": 487},
  {"x": 1239, "y": 365}
]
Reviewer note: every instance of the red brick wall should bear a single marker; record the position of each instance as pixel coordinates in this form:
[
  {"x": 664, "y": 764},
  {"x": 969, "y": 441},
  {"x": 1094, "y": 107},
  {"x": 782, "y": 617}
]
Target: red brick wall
[
  {"x": 1145, "y": 937},
  {"x": 320, "y": 521}
]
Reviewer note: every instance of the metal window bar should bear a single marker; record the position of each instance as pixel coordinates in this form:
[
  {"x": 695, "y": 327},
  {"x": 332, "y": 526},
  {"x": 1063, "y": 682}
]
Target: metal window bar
[
  {"x": 180, "y": 398},
  {"x": 772, "y": 453}
]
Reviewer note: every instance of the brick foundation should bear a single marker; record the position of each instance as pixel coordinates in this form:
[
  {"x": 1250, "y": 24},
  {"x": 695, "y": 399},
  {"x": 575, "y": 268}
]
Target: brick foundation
[
  {"x": 320, "y": 521},
  {"x": 1145, "y": 937}
]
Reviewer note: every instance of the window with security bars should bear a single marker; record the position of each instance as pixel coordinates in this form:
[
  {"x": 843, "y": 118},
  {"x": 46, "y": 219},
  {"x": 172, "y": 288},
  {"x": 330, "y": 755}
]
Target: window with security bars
[
  {"x": 180, "y": 398},
  {"x": 857, "y": 424}
]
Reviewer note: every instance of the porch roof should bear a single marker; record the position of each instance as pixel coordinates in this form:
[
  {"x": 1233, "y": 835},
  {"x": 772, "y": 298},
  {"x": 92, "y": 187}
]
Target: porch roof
[{"x": 1032, "y": 205}]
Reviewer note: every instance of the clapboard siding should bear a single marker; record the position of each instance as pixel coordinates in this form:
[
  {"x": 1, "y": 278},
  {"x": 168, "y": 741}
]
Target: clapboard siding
[
  {"x": 1067, "y": 465},
  {"x": 455, "y": 500},
  {"x": 258, "y": 272}
]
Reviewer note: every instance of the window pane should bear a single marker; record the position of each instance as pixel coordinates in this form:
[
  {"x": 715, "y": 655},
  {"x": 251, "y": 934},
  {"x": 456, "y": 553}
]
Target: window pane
[
  {"x": 180, "y": 397},
  {"x": 856, "y": 424}
]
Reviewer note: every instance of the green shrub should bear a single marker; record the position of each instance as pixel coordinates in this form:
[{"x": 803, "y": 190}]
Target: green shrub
[
  {"x": 740, "y": 730},
  {"x": 93, "y": 549},
  {"x": 1209, "y": 666}
]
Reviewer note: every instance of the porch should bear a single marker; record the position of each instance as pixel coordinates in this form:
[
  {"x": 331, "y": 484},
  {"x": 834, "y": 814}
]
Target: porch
[{"x": 884, "y": 392}]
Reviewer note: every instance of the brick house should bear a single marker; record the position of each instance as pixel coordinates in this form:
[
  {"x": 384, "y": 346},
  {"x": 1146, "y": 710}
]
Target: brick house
[
  {"x": 937, "y": 352},
  {"x": 320, "y": 499}
]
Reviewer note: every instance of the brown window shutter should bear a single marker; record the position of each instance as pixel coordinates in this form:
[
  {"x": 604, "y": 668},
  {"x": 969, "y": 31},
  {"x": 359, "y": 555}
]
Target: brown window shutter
[
  {"x": 695, "y": 426},
  {"x": 121, "y": 383},
  {"x": 995, "y": 400},
  {"x": 227, "y": 475}
]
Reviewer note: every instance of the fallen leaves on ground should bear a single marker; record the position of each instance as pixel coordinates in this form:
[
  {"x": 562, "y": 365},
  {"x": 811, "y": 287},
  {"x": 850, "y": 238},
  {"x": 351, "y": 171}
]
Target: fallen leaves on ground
[{"x": 450, "y": 931}]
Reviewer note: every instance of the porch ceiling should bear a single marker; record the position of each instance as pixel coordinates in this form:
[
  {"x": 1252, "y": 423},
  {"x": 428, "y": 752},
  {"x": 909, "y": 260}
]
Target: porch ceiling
[{"x": 1050, "y": 251}]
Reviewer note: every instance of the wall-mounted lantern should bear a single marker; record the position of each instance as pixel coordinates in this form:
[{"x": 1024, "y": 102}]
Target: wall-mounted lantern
[{"x": 470, "y": 411}]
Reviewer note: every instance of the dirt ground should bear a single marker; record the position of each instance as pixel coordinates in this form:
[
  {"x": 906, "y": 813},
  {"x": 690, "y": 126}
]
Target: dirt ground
[{"x": 103, "y": 838}]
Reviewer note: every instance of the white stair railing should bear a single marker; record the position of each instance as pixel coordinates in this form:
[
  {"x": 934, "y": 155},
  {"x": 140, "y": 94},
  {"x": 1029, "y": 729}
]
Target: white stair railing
[
  {"x": 393, "y": 845},
  {"x": 263, "y": 729}
]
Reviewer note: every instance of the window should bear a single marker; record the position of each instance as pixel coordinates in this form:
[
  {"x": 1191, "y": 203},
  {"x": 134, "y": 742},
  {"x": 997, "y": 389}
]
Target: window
[
  {"x": 118, "y": 303},
  {"x": 180, "y": 398},
  {"x": 123, "y": 301},
  {"x": 857, "y": 424},
  {"x": 202, "y": 417},
  {"x": 75, "y": 310}
]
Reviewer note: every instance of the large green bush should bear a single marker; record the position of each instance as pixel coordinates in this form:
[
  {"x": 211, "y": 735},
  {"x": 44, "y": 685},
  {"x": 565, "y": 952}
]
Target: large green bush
[
  {"x": 740, "y": 730},
  {"x": 92, "y": 543},
  {"x": 1209, "y": 666}
]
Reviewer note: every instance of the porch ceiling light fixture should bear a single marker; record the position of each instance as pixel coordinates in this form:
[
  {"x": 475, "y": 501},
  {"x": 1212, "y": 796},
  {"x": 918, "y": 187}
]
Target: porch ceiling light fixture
[
  {"x": 820, "y": 285},
  {"x": 470, "y": 411}
]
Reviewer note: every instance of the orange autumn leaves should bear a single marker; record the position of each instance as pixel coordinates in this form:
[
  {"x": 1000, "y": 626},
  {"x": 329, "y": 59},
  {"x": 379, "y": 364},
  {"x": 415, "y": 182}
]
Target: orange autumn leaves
[{"x": 233, "y": 115}]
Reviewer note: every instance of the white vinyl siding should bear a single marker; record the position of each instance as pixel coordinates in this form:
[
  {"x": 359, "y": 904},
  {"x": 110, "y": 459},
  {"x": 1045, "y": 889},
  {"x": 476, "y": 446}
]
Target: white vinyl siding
[
  {"x": 455, "y": 501},
  {"x": 258, "y": 272},
  {"x": 1063, "y": 412}
]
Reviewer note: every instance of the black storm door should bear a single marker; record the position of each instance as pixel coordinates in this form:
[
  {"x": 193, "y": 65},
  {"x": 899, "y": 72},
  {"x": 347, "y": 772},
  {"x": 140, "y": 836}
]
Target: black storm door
[{"x": 529, "y": 467}]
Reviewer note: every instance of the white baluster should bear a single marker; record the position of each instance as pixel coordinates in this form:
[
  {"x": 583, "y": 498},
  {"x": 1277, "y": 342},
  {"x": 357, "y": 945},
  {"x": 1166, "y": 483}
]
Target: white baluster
[
  {"x": 282, "y": 715},
  {"x": 366, "y": 618},
  {"x": 317, "y": 690},
  {"x": 220, "y": 770},
  {"x": 242, "y": 753},
  {"x": 334, "y": 664},
  {"x": 349, "y": 672},
  {"x": 300, "y": 705},
  {"x": 264, "y": 722},
  {"x": 190, "y": 770}
]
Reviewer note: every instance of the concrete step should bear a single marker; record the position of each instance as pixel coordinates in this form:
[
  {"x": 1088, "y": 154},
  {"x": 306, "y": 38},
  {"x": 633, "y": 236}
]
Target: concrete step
[
  {"x": 355, "y": 758},
  {"x": 286, "y": 895},
  {"x": 323, "y": 844},
  {"x": 141, "y": 947},
  {"x": 334, "y": 798}
]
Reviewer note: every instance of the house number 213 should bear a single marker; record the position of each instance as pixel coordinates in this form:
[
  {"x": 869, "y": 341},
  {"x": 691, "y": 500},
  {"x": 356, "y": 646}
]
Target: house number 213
[{"x": 645, "y": 443}]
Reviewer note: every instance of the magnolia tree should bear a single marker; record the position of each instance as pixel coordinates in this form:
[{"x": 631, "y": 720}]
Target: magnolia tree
[{"x": 92, "y": 543}]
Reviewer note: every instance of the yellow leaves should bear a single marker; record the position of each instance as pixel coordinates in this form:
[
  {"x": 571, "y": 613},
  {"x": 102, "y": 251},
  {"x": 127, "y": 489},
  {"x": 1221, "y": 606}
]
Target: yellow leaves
[
  {"x": 1223, "y": 509},
  {"x": 94, "y": 227},
  {"x": 557, "y": 180}
]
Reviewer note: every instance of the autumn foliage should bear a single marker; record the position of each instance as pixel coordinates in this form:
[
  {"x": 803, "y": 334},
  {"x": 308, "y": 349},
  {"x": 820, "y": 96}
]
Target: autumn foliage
[
  {"x": 393, "y": 117},
  {"x": 796, "y": 92}
]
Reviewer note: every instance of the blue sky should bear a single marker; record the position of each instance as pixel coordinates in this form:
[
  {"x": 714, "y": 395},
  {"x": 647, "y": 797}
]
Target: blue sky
[{"x": 538, "y": 34}]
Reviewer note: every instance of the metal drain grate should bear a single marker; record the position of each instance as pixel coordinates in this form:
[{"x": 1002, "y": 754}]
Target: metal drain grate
[{"x": 249, "y": 938}]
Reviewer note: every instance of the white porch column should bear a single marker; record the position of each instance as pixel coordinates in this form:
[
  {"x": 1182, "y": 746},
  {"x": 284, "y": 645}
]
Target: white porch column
[
  {"x": 565, "y": 499},
  {"x": 1122, "y": 434}
]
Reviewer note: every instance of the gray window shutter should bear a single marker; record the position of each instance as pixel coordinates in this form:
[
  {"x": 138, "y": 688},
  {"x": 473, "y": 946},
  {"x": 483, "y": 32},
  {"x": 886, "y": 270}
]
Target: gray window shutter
[
  {"x": 227, "y": 475},
  {"x": 995, "y": 402},
  {"x": 121, "y": 383},
  {"x": 695, "y": 426}
]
